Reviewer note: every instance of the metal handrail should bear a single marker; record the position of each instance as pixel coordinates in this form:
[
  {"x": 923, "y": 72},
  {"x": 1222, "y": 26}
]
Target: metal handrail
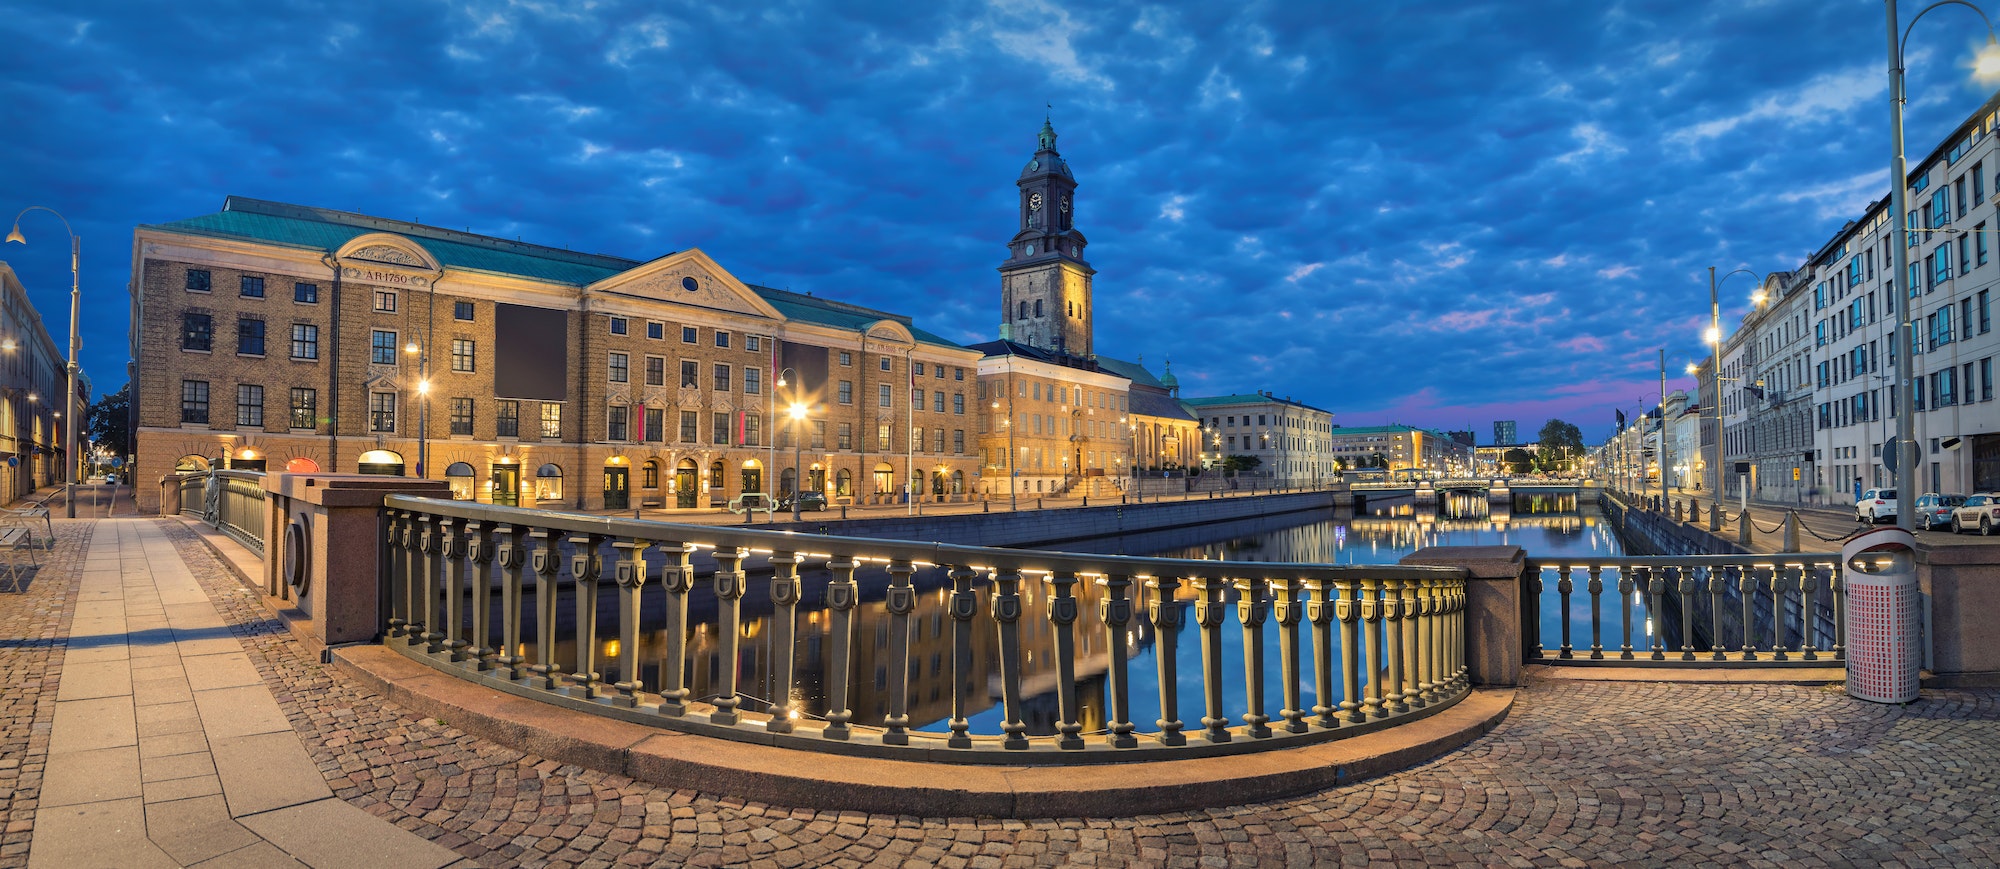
[{"x": 1399, "y": 629}]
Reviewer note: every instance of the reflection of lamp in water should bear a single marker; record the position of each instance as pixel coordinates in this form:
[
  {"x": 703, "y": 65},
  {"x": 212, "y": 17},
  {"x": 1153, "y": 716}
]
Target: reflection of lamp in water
[{"x": 612, "y": 648}]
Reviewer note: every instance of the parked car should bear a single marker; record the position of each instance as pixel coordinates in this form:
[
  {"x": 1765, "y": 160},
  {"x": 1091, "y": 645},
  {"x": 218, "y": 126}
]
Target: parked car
[
  {"x": 1979, "y": 511},
  {"x": 1875, "y": 506},
  {"x": 807, "y": 501},
  {"x": 1933, "y": 511}
]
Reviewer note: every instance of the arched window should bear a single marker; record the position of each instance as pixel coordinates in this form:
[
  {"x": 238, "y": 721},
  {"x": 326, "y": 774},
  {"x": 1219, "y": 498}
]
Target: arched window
[
  {"x": 459, "y": 477},
  {"x": 1024, "y": 310},
  {"x": 302, "y": 465},
  {"x": 649, "y": 475},
  {"x": 1038, "y": 307},
  {"x": 843, "y": 483},
  {"x": 958, "y": 482},
  {"x": 191, "y": 463},
  {"x": 387, "y": 462},
  {"x": 787, "y": 480},
  {"x": 548, "y": 483},
  {"x": 885, "y": 478},
  {"x": 716, "y": 477}
]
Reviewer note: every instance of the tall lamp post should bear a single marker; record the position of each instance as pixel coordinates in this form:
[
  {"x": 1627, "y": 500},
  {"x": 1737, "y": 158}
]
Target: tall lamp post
[
  {"x": 771, "y": 463},
  {"x": 1008, "y": 424},
  {"x": 1715, "y": 348},
  {"x": 1987, "y": 66},
  {"x": 798, "y": 414},
  {"x": 69, "y": 393},
  {"x": 415, "y": 347}
]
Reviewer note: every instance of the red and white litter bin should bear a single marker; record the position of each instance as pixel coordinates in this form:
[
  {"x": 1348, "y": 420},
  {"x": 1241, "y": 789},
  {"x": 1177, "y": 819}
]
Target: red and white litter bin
[{"x": 1880, "y": 578}]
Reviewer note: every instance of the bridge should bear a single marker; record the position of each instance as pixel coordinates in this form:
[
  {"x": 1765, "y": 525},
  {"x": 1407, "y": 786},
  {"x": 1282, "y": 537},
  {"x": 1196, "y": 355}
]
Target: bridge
[{"x": 1497, "y": 490}]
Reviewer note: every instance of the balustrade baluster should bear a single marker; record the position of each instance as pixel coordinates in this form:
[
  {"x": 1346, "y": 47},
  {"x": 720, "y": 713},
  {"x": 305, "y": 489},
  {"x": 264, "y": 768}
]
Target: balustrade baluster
[
  {"x": 1429, "y": 611},
  {"x": 513, "y": 557},
  {"x": 1781, "y": 576},
  {"x": 1657, "y": 592},
  {"x": 1809, "y": 634},
  {"x": 1686, "y": 588},
  {"x": 1718, "y": 582},
  {"x": 399, "y": 576},
  {"x": 586, "y": 565},
  {"x": 1287, "y": 607},
  {"x": 1007, "y": 618},
  {"x": 729, "y": 633},
  {"x": 451, "y": 548},
  {"x": 547, "y": 563},
  {"x": 676, "y": 580},
  {"x": 785, "y": 592},
  {"x": 1533, "y": 631},
  {"x": 1165, "y": 614},
  {"x": 1347, "y": 609},
  {"x": 1115, "y": 610},
  {"x": 1626, "y": 584},
  {"x": 1319, "y": 613},
  {"x": 630, "y": 574},
  {"x": 1208, "y": 614},
  {"x": 1251, "y": 609},
  {"x": 430, "y": 542},
  {"x": 1062, "y": 618},
  {"x": 1563, "y": 588},
  {"x": 1836, "y": 582},
  {"x": 1596, "y": 588},
  {"x": 1746, "y": 594},
  {"x": 841, "y": 596},
  {"x": 964, "y": 604},
  {"x": 1461, "y": 674},
  {"x": 479, "y": 594},
  {"x": 1372, "y": 614},
  {"x": 1407, "y": 617},
  {"x": 1392, "y": 633},
  {"x": 900, "y": 602}
]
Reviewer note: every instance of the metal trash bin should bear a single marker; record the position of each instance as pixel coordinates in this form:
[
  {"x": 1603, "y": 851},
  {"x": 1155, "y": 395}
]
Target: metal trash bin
[{"x": 1880, "y": 578}]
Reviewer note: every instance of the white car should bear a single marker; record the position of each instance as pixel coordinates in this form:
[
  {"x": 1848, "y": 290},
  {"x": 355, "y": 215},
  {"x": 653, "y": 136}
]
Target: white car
[
  {"x": 1875, "y": 506},
  {"x": 1979, "y": 511}
]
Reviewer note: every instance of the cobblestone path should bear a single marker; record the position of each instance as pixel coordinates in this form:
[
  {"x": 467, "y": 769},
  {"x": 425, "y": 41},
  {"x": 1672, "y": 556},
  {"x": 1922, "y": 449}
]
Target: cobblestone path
[
  {"x": 35, "y": 624},
  {"x": 1582, "y": 774}
]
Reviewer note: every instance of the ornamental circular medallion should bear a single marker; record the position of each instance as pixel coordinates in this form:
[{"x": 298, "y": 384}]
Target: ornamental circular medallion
[{"x": 690, "y": 284}]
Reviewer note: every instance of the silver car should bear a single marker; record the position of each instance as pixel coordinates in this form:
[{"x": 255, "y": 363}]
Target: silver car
[{"x": 1979, "y": 511}]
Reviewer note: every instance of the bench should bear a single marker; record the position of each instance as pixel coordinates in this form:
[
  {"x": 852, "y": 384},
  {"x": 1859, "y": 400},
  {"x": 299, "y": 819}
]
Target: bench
[
  {"x": 24, "y": 519},
  {"x": 13, "y": 542}
]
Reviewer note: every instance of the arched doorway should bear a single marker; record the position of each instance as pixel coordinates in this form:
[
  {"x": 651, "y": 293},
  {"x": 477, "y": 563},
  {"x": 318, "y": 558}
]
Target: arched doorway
[
  {"x": 687, "y": 484},
  {"x": 718, "y": 483},
  {"x": 843, "y": 483},
  {"x": 885, "y": 478},
  {"x": 548, "y": 483},
  {"x": 617, "y": 485},
  {"x": 506, "y": 482},
  {"x": 302, "y": 465},
  {"x": 753, "y": 476},
  {"x": 787, "y": 482},
  {"x": 938, "y": 480},
  {"x": 958, "y": 482},
  {"x": 459, "y": 477},
  {"x": 388, "y": 463},
  {"x": 816, "y": 479}
]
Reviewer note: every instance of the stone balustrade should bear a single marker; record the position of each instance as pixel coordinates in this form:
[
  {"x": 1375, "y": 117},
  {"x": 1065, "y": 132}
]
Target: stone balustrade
[{"x": 1768, "y": 610}]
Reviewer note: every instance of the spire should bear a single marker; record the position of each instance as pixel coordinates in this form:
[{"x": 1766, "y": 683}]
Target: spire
[{"x": 1047, "y": 138}]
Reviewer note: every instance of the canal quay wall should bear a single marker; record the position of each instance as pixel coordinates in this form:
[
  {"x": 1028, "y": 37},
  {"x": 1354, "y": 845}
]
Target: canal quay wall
[
  {"x": 1049, "y": 527},
  {"x": 1644, "y": 532}
]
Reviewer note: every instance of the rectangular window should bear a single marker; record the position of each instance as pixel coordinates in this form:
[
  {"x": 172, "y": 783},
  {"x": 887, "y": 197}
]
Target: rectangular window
[
  {"x": 719, "y": 428},
  {"x": 462, "y": 354},
  {"x": 656, "y": 425},
  {"x": 656, "y": 371},
  {"x": 937, "y": 441},
  {"x": 721, "y": 381},
  {"x": 690, "y": 374},
  {"x": 1986, "y": 379},
  {"x": 885, "y": 397},
  {"x": 690, "y": 427},
  {"x": 753, "y": 380},
  {"x": 917, "y": 439},
  {"x": 385, "y": 301},
  {"x": 249, "y": 337},
  {"x": 917, "y": 399},
  {"x": 753, "y": 430},
  {"x": 305, "y": 293},
  {"x": 382, "y": 347},
  {"x": 305, "y": 408},
  {"x": 918, "y": 371},
  {"x": 305, "y": 341},
  {"x": 721, "y": 338},
  {"x": 656, "y": 330},
  {"x": 958, "y": 441},
  {"x": 194, "y": 401},
  {"x": 1980, "y": 244},
  {"x": 197, "y": 332},
  {"x": 507, "y": 419},
  {"x": 846, "y": 358},
  {"x": 197, "y": 280},
  {"x": 551, "y": 421},
  {"x": 1985, "y": 313},
  {"x": 1964, "y": 258},
  {"x": 846, "y": 436},
  {"x": 382, "y": 411},
  {"x": 882, "y": 437},
  {"x": 690, "y": 335},
  {"x": 1978, "y": 185},
  {"x": 616, "y": 422},
  {"x": 1964, "y": 318},
  {"x": 958, "y": 403},
  {"x": 252, "y": 287},
  {"x": 751, "y": 343},
  {"x": 620, "y": 326},
  {"x": 1947, "y": 395},
  {"x": 819, "y": 435},
  {"x": 249, "y": 406},
  {"x": 846, "y": 392},
  {"x": 620, "y": 368},
  {"x": 461, "y": 311},
  {"x": 1958, "y": 190},
  {"x": 883, "y": 362},
  {"x": 937, "y": 402},
  {"x": 461, "y": 416}
]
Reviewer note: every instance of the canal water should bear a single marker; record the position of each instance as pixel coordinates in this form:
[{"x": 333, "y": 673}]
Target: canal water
[{"x": 1383, "y": 534}]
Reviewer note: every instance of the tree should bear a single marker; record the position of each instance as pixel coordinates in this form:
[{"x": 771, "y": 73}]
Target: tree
[
  {"x": 1377, "y": 460},
  {"x": 1241, "y": 463},
  {"x": 110, "y": 421},
  {"x": 1517, "y": 461},
  {"x": 1561, "y": 444}
]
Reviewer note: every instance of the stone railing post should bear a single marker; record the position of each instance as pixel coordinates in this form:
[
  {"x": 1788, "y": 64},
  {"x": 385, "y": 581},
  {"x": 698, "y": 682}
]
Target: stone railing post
[
  {"x": 321, "y": 522},
  {"x": 1492, "y": 610}
]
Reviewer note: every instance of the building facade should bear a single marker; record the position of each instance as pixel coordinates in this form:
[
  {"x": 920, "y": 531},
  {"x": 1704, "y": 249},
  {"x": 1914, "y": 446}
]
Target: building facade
[
  {"x": 1505, "y": 433},
  {"x": 1293, "y": 441},
  {"x": 288, "y": 337},
  {"x": 33, "y": 373}
]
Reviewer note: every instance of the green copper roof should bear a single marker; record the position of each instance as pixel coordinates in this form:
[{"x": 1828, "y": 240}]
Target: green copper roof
[
  {"x": 1252, "y": 398},
  {"x": 826, "y": 312}
]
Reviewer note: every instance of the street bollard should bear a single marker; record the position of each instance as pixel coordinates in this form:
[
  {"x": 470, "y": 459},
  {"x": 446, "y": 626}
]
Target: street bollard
[
  {"x": 843, "y": 512},
  {"x": 1791, "y": 531},
  {"x": 1743, "y": 528},
  {"x": 986, "y": 506},
  {"x": 1715, "y": 516}
]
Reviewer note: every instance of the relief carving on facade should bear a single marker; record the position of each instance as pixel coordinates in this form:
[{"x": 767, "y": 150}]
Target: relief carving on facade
[{"x": 383, "y": 253}]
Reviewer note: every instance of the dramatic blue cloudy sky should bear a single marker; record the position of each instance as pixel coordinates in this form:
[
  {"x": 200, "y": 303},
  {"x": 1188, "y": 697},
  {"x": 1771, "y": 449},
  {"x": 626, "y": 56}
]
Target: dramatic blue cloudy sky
[{"x": 1439, "y": 213}]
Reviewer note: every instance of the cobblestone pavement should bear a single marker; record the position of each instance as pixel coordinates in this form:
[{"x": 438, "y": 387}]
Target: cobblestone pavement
[
  {"x": 1581, "y": 774},
  {"x": 34, "y": 624}
]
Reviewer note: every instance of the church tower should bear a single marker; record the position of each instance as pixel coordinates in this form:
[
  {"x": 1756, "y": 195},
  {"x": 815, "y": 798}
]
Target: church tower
[{"x": 1045, "y": 283}]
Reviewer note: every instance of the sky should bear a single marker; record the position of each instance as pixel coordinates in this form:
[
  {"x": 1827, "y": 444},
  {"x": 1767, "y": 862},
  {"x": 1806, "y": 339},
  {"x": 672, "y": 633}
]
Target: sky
[{"x": 1435, "y": 213}]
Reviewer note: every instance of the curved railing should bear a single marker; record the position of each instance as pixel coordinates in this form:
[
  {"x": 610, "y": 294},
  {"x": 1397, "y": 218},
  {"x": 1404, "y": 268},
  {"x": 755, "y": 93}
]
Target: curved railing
[
  {"x": 230, "y": 500},
  {"x": 1386, "y": 642}
]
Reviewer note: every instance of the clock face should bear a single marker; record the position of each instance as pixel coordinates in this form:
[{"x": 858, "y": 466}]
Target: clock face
[
  {"x": 1034, "y": 201},
  {"x": 1065, "y": 205}
]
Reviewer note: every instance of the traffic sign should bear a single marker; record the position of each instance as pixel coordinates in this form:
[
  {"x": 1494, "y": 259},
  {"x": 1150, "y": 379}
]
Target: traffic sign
[{"x": 1891, "y": 455}]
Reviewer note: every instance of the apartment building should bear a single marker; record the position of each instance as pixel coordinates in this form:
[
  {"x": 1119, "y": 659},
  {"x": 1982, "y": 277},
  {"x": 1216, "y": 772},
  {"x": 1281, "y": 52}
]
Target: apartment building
[
  {"x": 33, "y": 372},
  {"x": 1293, "y": 441}
]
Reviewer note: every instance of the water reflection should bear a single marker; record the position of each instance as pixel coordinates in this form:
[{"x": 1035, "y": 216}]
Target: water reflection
[{"x": 1543, "y": 525}]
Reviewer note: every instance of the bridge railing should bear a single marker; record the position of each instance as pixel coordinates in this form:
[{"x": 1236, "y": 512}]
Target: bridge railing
[
  {"x": 464, "y": 580},
  {"x": 1780, "y": 610},
  {"x": 232, "y": 501}
]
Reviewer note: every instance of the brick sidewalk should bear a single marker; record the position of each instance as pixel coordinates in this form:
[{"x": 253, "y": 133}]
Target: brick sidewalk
[{"x": 1583, "y": 773}]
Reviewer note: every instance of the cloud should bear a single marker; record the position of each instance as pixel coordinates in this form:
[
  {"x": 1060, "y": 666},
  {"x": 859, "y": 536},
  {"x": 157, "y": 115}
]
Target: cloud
[
  {"x": 1612, "y": 273},
  {"x": 1823, "y": 99}
]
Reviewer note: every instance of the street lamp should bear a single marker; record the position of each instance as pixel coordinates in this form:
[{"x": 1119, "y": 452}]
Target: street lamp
[
  {"x": 415, "y": 347},
  {"x": 1008, "y": 424},
  {"x": 75, "y": 304},
  {"x": 798, "y": 412},
  {"x": 1986, "y": 66},
  {"x": 1714, "y": 337},
  {"x": 771, "y": 463}
]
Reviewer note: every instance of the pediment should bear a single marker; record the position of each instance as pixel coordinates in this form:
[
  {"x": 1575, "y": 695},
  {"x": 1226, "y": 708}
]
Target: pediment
[
  {"x": 891, "y": 330},
  {"x": 368, "y": 257},
  {"x": 689, "y": 278}
]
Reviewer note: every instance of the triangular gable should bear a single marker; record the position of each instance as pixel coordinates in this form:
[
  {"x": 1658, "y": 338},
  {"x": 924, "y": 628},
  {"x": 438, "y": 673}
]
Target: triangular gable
[{"x": 688, "y": 277}]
